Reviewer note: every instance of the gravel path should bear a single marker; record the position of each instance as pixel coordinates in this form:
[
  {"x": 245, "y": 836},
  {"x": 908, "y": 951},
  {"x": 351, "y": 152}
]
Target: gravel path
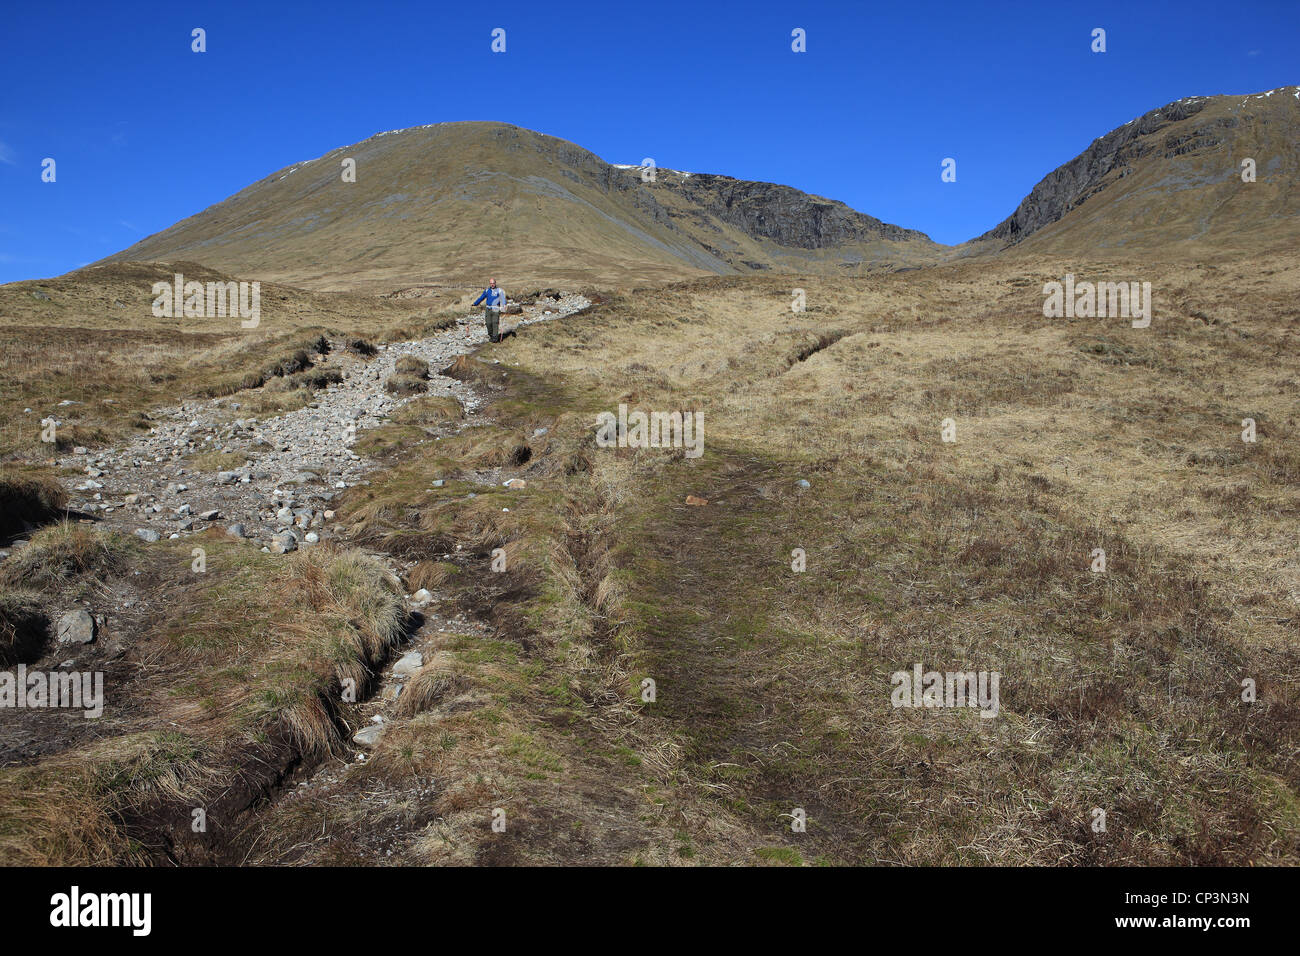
[{"x": 296, "y": 462}]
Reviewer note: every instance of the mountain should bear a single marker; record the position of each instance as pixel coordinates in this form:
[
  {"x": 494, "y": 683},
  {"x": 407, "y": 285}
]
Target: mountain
[
  {"x": 454, "y": 202},
  {"x": 1172, "y": 176},
  {"x": 451, "y": 203}
]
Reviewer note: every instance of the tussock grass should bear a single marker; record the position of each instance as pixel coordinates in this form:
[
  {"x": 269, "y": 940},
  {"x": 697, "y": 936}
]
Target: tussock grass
[
  {"x": 387, "y": 440},
  {"x": 401, "y": 385},
  {"x": 246, "y": 663},
  {"x": 329, "y": 617},
  {"x": 423, "y": 327},
  {"x": 412, "y": 365},
  {"x": 63, "y": 551},
  {"x": 428, "y": 687},
  {"x": 429, "y": 411},
  {"x": 465, "y": 368},
  {"x": 74, "y": 809},
  {"x": 430, "y": 574}
]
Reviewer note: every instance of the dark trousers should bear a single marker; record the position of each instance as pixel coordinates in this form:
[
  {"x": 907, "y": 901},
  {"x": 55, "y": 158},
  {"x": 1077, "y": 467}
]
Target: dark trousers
[{"x": 492, "y": 317}]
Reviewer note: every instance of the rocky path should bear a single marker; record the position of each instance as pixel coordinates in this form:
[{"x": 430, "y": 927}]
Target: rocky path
[{"x": 295, "y": 463}]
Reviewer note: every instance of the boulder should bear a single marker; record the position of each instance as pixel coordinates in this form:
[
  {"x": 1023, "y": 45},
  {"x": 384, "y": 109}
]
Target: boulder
[
  {"x": 409, "y": 663},
  {"x": 76, "y": 627},
  {"x": 283, "y": 543}
]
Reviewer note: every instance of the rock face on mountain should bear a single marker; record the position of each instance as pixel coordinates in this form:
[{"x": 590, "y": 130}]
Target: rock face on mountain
[
  {"x": 455, "y": 202},
  {"x": 782, "y": 214},
  {"x": 1170, "y": 175}
]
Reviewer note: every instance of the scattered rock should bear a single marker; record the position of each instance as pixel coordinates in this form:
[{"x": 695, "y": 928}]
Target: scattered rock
[
  {"x": 147, "y": 534},
  {"x": 368, "y": 736}
]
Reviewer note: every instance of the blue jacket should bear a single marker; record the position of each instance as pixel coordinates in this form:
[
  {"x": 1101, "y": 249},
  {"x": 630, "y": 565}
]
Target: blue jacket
[{"x": 496, "y": 298}]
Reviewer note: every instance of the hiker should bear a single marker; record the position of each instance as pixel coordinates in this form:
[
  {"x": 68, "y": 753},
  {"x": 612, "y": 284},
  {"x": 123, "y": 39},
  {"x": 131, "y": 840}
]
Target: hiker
[{"x": 496, "y": 301}]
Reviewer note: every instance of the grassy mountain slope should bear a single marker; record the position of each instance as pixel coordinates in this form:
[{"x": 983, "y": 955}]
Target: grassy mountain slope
[
  {"x": 1172, "y": 179},
  {"x": 449, "y": 202}
]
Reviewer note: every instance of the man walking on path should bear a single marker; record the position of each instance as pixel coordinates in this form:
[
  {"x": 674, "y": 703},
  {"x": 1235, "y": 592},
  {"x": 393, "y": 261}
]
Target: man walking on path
[{"x": 496, "y": 301}]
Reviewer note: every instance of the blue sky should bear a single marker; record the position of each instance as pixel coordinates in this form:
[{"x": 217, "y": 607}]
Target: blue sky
[{"x": 145, "y": 132}]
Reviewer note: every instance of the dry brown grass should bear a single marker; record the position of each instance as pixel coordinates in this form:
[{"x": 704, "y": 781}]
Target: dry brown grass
[
  {"x": 412, "y": 365},
  {"x": 60, "y": 552},
  {"x": 429, "y": 411},
  {"x": 402, "y": 385},
  {"x": 430, "y": 574},
  {"x": 1120, "y": 690},
  {"x": 429, "y": 686}
]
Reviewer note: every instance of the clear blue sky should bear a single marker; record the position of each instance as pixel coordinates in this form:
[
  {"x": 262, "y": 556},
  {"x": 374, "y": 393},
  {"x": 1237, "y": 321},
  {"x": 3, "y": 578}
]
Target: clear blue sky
[{"x": 146, "y": 132}]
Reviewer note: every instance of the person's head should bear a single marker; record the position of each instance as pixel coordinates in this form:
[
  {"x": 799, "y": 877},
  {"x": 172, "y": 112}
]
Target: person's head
[{"x": 492, "y": 283}]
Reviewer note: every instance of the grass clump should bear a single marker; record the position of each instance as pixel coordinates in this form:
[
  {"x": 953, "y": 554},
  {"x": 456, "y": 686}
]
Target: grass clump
[
  {"x": 62, "y": 551},
  {"x": 402, "y": 385},
  {"x": 412, "y": 365}
]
